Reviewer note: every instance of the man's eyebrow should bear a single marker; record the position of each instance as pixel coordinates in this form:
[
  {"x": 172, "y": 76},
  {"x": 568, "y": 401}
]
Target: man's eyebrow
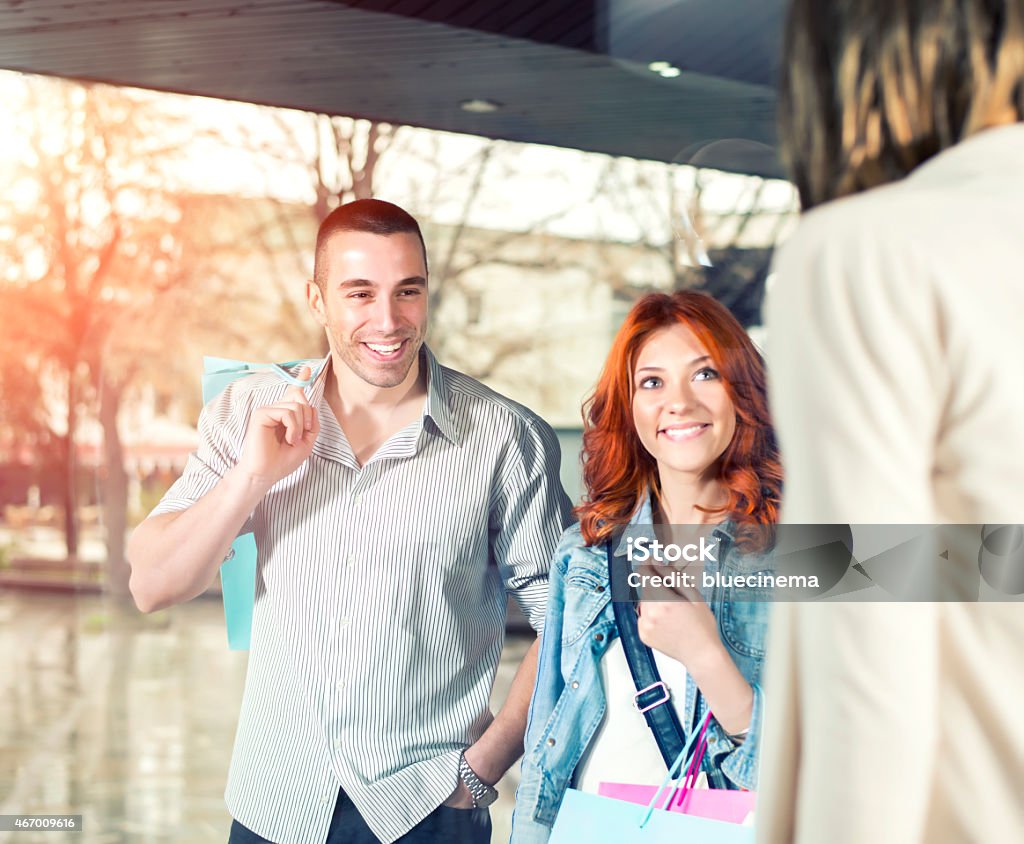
[{"x": 412, "y": 281}]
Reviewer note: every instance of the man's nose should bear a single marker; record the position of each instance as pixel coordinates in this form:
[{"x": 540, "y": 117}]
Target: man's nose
[{"x": 385, "y": 315}]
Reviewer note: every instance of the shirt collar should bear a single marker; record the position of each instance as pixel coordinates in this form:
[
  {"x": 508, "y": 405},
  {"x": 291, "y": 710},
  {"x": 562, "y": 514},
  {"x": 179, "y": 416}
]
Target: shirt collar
[
  {"x": 437, "y": 406},
  {"x": 993, "y": 151}
]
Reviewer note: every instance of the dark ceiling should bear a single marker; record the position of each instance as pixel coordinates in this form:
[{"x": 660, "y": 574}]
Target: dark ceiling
[{"x": 572, "y": 74}]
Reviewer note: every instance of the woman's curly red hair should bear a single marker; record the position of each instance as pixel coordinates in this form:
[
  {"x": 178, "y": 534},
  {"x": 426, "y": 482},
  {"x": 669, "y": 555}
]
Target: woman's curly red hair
[{"x": 618, "y": 470}]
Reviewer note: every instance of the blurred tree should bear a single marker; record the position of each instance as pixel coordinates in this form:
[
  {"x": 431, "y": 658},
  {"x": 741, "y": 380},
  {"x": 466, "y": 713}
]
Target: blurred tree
[{"x": 97, "y": 274}]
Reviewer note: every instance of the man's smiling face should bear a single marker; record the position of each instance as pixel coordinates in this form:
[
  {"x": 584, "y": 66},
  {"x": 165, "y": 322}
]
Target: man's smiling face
[{"x": 373, "y": 303}]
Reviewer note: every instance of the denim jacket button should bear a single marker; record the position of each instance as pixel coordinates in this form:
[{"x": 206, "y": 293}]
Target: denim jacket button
[
  {"x": 599, "y": 637},
  {"x": 575, "y": 684},
  {"x": 551, "y": 742}
]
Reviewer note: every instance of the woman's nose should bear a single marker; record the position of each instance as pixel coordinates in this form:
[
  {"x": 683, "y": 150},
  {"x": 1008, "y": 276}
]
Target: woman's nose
[{"x": 680, "y": 399}]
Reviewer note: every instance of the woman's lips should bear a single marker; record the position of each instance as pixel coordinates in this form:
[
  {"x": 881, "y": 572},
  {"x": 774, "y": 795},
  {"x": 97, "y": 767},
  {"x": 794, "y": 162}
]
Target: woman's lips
[{"x": 682, "y": 433}]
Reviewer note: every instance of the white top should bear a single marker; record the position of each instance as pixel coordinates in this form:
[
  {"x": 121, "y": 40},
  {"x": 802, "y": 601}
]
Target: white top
[
  {"x": 623, "y": 749},
  {"x": 896, "y": 362}
]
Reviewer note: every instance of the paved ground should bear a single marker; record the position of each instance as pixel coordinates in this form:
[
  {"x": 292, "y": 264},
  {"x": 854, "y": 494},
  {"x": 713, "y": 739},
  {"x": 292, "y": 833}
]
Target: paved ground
[{"x": 128, "y": 720}]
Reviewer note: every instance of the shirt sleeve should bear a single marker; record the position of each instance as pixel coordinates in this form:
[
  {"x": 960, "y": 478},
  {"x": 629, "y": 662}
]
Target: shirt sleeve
[
  {"x": 738, "y": 762},
  {"x": 528, "y": 512},
  {"x": 221, "y": 432}
]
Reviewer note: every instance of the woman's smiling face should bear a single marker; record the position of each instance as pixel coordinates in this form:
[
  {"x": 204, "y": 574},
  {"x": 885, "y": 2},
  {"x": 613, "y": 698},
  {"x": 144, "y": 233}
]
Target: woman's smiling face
[{"x": 681, "y": 409}]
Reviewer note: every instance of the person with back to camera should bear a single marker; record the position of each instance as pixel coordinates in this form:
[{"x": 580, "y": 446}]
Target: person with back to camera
[
  {"x": 676, "y": 433},
  {"x": 895, "y": 355},
  {"x": 394, "y": 502}
]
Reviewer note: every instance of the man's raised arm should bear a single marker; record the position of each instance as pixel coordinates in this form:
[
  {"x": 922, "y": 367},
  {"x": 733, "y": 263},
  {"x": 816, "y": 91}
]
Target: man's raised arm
[{"x": 174, "y": 556}]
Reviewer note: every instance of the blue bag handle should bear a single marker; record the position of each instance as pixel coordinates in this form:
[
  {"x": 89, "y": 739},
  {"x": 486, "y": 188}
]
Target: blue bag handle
[
  {"x": 223, "y": 366},
  {"x": 673, "y": 773}
]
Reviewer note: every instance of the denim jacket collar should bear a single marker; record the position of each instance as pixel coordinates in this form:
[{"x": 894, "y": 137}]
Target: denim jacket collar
[{"x": 642, "y": 525}]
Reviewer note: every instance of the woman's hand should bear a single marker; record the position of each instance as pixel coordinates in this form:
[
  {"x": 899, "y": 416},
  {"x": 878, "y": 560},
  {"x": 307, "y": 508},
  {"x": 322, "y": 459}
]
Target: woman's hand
[
  {"x": 682, "y": 629},
  {"x": 682, "y": 626}
]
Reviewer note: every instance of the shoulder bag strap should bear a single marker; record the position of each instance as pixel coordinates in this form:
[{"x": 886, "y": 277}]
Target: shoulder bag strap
[{"x": 652, "y": 695}]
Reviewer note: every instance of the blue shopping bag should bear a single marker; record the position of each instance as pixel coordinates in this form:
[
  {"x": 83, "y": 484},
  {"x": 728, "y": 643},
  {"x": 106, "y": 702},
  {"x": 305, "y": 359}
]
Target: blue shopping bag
[
  {"x": 238, "y": 571},
  {"x": 605, "y": 820}
]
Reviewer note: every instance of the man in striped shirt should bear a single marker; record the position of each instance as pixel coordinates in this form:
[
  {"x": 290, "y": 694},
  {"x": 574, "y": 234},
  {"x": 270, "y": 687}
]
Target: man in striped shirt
[{"x": 394, "y": 502}]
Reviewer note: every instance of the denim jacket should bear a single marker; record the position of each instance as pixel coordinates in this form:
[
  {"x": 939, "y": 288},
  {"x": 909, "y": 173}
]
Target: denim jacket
[{"x": 568, "y": 702}]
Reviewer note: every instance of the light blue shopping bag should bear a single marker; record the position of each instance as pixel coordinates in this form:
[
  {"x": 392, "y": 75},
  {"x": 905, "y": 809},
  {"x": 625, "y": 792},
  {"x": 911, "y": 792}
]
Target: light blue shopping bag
[
  {"x": 605, "y": 820},
  {"x": 238, "y": 571}
]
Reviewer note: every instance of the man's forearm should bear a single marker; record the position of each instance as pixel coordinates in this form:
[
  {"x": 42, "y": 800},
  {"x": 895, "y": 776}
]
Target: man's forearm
[
  {"x": 174, "y": 556},
  {"x": 502, "y": 742}
]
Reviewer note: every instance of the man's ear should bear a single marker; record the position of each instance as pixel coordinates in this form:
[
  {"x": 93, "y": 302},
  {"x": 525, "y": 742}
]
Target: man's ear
[{"x": 315, "y": 300}]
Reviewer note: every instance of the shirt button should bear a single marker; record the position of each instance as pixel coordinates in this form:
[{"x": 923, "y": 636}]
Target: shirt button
[
  {"x": 344, "y": 622},
  {"x": 326, "y": 799},
  {"x": 350, "y": 561},
  {"x": 356, "y": 499},
  {"x": 551, "y": 742},
  {"x": 340, "y": 685}
]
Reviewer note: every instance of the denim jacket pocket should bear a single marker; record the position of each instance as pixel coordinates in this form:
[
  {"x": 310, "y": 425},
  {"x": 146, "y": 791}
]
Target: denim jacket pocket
[
  {"x": 585, "y": 596},
  {"x": 744, "y": 621}
]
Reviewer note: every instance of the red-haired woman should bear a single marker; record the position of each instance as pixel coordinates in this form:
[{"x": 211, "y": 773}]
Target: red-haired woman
[{"x": 676, "y": 433}]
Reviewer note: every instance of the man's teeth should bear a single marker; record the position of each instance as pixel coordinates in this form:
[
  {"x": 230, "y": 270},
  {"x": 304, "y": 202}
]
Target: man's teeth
[{"x": 384, "y": 350}]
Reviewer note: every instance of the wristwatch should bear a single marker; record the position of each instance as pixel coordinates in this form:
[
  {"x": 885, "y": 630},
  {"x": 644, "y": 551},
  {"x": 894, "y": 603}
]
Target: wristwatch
[{"x": 483, "y": 794}]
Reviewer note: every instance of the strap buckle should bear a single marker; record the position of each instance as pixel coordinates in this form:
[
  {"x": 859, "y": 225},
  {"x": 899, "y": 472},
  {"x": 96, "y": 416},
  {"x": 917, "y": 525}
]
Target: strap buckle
[{"x": 664, "y": 689}]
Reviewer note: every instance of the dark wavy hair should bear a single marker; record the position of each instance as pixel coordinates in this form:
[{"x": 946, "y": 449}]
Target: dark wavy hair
[
  {"x": 618, "y": 470},
  {"x": 870, "y": 89}
]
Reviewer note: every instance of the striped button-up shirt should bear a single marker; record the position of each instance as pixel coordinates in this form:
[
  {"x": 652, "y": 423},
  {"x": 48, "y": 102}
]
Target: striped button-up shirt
[{"x": 380, "y": 599}]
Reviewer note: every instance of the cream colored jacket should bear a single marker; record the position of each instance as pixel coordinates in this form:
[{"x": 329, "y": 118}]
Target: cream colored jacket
[{"x": 896, "y": 362}]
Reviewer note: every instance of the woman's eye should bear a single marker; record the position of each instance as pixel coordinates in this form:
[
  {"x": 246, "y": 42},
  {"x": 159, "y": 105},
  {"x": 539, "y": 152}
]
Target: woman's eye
[
  {"x": 650, "y": 382},
  {"x": 706, "y": 373}
]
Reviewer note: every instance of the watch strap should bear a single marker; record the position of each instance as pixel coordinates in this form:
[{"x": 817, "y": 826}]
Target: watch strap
[{"x": 482, "y": 793}]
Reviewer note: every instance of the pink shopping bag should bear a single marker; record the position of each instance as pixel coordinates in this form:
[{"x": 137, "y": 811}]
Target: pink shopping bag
[{"x": 719, "y": 804}]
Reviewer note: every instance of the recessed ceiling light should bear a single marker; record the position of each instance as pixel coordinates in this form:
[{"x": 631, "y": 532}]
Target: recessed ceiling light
[
  {"x": 670, "y": 72},
  {"x": 658, "y": 67},
  {"x": 479, "y": 106}
]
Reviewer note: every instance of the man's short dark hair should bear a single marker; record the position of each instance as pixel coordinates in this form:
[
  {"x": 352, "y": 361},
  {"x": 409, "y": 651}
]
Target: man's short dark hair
[{"x": 374, "y": 216}]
